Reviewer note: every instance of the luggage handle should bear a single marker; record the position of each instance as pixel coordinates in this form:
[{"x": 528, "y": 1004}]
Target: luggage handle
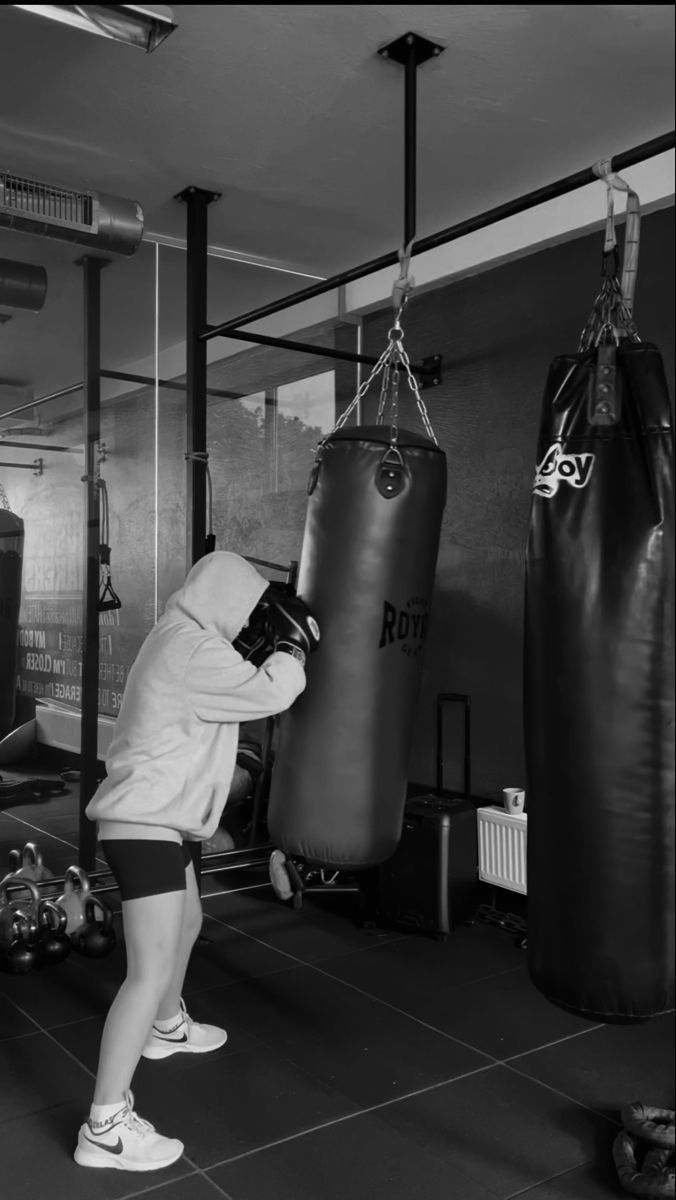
[{"x": 444, "y": 698}]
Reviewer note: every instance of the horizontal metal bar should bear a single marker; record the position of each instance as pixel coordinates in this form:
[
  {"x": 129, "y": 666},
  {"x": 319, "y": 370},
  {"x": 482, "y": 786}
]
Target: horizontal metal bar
[
  {"x": 36, "y": 446},
  {"x": 67, "y": 391},
  {"x": 305, "y": 348},
  {"x": 551, "y": 191},
  {"x": 262, "y": 562},
  {"x": 20, "y": 466},
  {"x": 166, "y": 383},
  {"x": 123, "y": 377}
]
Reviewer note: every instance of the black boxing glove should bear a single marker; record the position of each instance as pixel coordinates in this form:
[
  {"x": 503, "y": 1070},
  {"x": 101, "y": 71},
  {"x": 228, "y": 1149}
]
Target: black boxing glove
[
  {"x": 255, "y": 641},
  {"x": 293, "y": 628}
]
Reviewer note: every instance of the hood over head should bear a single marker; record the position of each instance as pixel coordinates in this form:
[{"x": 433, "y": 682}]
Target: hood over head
[{"x": 220, "y": 593}]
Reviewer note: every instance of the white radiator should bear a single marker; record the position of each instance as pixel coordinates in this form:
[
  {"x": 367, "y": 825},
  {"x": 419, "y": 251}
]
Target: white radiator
[{"x": 502, "y": 848}]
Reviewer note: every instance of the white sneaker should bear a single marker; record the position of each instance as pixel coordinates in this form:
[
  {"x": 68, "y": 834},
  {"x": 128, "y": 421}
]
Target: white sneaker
[
  {"x": 279, "y": 876},
  {"x": 186, "y": 1036},
  {"x": 127, "y": 1143}
]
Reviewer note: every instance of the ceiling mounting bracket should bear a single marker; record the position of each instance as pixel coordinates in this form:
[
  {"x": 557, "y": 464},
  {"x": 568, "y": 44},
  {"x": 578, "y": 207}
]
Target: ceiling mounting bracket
[{"x": 411, "y": 45}]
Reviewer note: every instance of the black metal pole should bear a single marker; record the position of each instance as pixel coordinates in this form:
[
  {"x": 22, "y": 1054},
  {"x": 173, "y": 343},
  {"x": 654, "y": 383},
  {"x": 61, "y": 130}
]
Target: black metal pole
[
  {"x": 550, "y": 192},
  {"x": 89, "y": 696},
  {"x": 170, "y": 384},
  {"x": 410, "y": 139},
  {"x": 197, "y": 201},
  {"x": 67, "y": 391},
  {"x": 261, "y": 339}
]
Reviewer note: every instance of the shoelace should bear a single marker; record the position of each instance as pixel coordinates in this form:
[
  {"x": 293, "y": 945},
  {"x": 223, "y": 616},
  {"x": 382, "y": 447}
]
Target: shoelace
[
  {"x": 188, "y": 1020},
  {"x": 134, "y": 1122}
]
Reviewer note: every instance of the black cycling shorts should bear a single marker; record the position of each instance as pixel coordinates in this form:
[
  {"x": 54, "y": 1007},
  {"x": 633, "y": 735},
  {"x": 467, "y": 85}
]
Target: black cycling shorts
[{"x": 149, "y": 868}]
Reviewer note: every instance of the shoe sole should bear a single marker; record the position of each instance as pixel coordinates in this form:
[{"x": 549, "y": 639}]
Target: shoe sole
[
  {"x": 165, "y": 1051},
  {"x": 279, "y": 876},
  {"x": 84, "y": 1158}
]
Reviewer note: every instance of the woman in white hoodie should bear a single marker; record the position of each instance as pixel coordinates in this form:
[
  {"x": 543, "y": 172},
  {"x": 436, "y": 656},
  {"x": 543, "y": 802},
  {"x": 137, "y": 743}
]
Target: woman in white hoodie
[{"x": 169, "y": 770}]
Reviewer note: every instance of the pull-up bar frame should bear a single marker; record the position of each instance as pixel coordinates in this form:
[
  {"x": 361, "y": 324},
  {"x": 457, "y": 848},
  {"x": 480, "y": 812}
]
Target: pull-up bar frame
[{"x": 552, "y": 191}]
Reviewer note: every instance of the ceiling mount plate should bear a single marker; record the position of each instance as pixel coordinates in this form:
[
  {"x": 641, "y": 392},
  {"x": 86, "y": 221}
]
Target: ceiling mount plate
[{"x": 399, "y": 51}]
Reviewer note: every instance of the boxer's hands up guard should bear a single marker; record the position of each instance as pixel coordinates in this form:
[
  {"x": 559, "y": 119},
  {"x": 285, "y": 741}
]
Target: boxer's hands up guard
[{"x": 293, "y": 628}]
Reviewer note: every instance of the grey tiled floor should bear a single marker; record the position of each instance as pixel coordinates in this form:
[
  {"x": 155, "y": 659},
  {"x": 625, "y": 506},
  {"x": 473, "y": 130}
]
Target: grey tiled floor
[{"x": 358, "y": 1065}]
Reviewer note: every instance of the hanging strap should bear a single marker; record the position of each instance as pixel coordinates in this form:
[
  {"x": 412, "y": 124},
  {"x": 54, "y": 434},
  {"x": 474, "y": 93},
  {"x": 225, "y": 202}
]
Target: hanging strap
[
  {"x": 611, "y": 316},
  {"x": 108, "y": 597},
  {"x": 632, "y": 231},
  {"x": 404, "y": 284}
]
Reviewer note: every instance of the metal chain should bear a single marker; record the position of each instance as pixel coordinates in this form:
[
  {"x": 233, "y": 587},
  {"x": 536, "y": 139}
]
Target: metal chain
[
  {"x": 393, "y": 357},
  {"x": 609, "y": 319},
  {"x": 361, "y": 392},
  {"x": 413, "y": 385}
]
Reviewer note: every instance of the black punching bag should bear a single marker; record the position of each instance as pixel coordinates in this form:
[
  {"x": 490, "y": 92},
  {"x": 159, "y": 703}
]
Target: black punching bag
[
  {"x": 599, "y": 688},
  {"x": 11, "y": 558},
  {"x": 367, "y": 573}
]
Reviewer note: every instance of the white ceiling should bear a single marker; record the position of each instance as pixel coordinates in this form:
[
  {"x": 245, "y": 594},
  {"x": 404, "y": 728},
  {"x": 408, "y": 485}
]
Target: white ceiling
[{"x": 289, "y": 112}]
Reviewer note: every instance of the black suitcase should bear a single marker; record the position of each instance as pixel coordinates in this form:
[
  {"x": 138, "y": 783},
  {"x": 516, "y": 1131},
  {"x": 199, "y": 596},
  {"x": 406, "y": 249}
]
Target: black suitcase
[{"x": 431, "y": 883}]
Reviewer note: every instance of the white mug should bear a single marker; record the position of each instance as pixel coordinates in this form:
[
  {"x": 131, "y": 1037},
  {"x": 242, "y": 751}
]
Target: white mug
[{"x": 513, "y": 799}]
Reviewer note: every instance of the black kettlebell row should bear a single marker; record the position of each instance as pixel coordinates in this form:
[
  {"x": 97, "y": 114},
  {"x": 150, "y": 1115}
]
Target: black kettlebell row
[{"x": 36, "y": 931}]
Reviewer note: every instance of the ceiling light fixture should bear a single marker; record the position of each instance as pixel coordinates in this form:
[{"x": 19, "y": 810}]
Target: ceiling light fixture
[{"x": 136, "y": 24}]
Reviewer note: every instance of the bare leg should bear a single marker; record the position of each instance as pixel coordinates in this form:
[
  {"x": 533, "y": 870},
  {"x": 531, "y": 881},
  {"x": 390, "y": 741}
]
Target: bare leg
[
  {"x": 170, "y": 1002},
  {"x": 153, "y": 930}
]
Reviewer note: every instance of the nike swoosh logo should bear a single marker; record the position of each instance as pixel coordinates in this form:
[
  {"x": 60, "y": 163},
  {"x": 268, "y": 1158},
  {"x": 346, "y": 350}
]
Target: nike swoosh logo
[
  {"x": 175, "y": 1040},
  {"x": 116, "y": 1149}
]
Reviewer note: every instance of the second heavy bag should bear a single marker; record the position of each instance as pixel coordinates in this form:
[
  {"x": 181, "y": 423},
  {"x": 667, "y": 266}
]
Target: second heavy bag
[
  {"x": 11, "y": 558},
  {"x": 367, "y": 574},
  {"x": 599, "y": 688}
]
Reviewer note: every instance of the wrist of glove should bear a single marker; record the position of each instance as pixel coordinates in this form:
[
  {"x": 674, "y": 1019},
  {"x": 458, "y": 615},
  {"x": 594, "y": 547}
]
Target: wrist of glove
[{"x": 292, "y": 650}]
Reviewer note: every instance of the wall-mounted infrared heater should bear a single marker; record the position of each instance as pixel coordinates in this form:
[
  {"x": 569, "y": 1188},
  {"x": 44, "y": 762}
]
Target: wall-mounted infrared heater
[{"x": 107, "y": 223}]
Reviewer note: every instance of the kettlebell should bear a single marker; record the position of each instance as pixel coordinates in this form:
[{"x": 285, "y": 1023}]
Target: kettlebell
[
  {"x": 75, "y": 893},
  {"x": 30, "y": 864},
  {"x": 21, "y": 955},
  {"x": 97, "y": 937},
  {"x": 8, "y": 932},
  {"x": 53, "y": 942}
]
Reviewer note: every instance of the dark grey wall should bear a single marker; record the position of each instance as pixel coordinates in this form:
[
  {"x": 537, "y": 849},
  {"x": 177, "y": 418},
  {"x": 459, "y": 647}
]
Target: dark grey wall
[{"x": 497, "y": 333}]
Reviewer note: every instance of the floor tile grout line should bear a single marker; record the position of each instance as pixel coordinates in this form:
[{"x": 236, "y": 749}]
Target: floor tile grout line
[
  {"x": 377, "y": 999},
  {"x": 492, "y": 1060},
  {"x": 198, "y": 1171},
  {"x": 548, "y": 1045},
  {"x": 386, "y": 941},
  {"x": 40, "y": 1029},
  {"x": 46, "y": 833},
  {"x": 362, "y": 1112},
  {"x": 563, "y": 1095},
  {"x": 249, "y": 887},
  {"x": 538, "y": 1184},
  {"x": 403, "y": 1013}
]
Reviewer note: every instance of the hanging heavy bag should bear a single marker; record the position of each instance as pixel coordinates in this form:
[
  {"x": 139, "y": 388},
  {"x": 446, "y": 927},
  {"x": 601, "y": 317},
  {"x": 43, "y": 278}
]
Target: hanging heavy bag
[
  {"x": 376, "y": 500},
  {"x": 11, "y": 559},
  {"x": 599, "y": 683}
]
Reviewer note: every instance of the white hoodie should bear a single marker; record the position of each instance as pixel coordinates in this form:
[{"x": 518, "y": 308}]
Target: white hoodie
[{"x": 171, "y": 761}]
